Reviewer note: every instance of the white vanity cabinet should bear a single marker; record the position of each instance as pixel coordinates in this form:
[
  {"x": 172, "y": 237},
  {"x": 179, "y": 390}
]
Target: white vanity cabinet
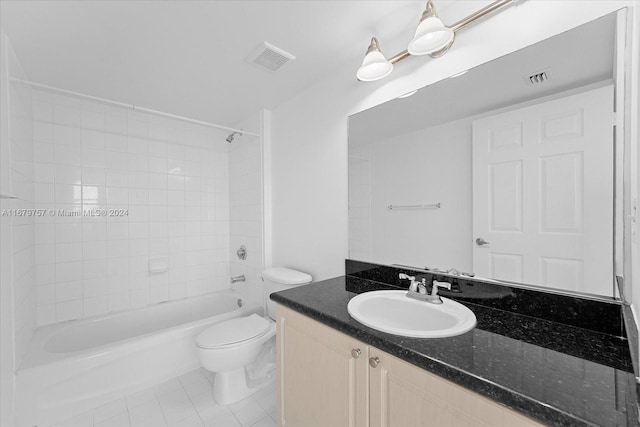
[{"x": 328, "y": 379}]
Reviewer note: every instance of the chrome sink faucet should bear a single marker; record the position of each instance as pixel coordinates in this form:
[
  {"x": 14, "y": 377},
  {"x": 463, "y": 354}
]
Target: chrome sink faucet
[{"x": 418, "y": 290}]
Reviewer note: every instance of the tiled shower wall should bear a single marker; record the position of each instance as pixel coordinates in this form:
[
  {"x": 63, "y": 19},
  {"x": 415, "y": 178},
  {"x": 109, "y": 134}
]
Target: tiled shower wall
[{"x": 161, "y": 190}]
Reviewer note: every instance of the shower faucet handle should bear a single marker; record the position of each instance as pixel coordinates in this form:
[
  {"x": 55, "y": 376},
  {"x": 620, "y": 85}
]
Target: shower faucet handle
[{"x": 242, "y": 253}]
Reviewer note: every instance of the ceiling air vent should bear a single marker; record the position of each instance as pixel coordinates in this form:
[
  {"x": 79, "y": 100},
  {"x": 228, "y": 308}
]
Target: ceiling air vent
[
  {"x": 538, "y": 77},
  {"x": 269, "y": 57}
]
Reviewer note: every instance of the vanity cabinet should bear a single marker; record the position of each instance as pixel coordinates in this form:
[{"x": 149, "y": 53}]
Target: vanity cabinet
[{"x": 326, "y": 378}]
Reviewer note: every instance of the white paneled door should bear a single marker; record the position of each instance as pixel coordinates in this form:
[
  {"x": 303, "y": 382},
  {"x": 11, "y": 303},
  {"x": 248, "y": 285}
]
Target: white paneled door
[{"x": 543, "y": 193}]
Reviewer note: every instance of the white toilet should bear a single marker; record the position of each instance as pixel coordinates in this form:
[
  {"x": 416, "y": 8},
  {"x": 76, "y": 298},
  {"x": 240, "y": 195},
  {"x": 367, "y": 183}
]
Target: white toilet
[{"x": 241, "y": 351}]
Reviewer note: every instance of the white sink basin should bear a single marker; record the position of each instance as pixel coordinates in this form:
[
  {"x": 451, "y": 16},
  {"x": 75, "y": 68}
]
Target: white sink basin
[{"x": 395, "y": 313}]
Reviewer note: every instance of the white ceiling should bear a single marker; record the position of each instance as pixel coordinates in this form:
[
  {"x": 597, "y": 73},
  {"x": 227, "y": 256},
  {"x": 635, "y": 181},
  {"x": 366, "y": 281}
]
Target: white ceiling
[
  {"x": 576, "y": 58},
  {"x": 188, "y": 57}
]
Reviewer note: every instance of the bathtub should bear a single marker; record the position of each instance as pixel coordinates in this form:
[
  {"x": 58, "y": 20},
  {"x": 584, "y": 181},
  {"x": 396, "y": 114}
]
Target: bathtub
[{"x": 76, "y": 366}]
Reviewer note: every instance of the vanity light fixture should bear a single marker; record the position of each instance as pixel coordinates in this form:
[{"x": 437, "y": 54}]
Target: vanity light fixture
[
  {"x": 431, "y": 34},
  {"x": 431, "y": 38},
  {"x": 374, "y": 66}
]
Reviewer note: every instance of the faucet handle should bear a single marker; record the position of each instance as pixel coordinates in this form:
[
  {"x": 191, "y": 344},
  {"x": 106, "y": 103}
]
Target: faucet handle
[
  {"x": 413, "y": 287},
  {"x": 437, "y": 284},
  {"x": 406, "y": 276}
]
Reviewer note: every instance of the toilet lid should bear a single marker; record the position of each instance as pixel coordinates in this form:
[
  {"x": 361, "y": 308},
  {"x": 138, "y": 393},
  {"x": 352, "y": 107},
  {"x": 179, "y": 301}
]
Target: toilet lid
[{"x": 232, "y": 331}]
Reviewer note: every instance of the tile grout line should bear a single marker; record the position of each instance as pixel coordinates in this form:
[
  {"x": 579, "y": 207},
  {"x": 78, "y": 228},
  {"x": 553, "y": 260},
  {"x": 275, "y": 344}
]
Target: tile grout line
[
  {"x": 190, "y": 400},
  {"x": 155, "y": 392}
]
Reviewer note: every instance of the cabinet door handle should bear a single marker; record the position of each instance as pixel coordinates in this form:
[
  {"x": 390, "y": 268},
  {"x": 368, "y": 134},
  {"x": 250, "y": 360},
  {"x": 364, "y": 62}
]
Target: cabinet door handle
[
  {"x": 355, "y": 353},
  {"x": 373, "y": 361}
]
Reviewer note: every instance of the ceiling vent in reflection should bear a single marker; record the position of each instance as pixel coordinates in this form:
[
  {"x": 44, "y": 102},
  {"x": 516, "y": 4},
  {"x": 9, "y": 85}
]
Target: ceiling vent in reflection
[
  {"x": 269, "y": 57},
  {"x": 538, "y": 77}
]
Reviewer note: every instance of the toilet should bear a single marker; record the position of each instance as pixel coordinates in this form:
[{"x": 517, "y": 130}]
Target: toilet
[{"x": 241, "y": 351}]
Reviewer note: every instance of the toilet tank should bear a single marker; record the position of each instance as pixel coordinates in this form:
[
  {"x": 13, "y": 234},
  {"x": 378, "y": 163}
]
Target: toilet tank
[{"x": 278, "y": 279}]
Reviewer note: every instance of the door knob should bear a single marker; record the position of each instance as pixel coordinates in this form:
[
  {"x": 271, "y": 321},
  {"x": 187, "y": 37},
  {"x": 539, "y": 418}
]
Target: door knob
[
  {"x": 373, "y": 361},
  {"x": 481, "y": 242},
  {"x": 355, "y": 353}
]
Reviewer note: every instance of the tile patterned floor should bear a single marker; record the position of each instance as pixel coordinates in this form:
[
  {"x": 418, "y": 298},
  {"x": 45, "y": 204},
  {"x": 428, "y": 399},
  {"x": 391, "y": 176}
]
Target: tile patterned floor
[{"x": 185, "y": 401}]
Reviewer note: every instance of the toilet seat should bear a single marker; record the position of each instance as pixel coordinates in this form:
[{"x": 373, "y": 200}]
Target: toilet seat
[{"x": 233, "y": 332}]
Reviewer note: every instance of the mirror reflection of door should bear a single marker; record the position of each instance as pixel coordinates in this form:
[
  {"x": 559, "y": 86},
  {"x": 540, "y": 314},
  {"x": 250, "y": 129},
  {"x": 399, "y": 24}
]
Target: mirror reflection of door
[{"x": 543, "y": 192}]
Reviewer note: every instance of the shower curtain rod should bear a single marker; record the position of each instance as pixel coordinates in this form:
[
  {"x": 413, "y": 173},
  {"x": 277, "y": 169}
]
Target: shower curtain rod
[{"x": 132, "y": 106}]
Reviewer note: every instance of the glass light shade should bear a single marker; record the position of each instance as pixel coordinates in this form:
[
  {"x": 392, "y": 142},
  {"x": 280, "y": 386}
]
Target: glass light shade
[
  {"x": 431, "y": 36},
  {"x": 374, "y": 67}
]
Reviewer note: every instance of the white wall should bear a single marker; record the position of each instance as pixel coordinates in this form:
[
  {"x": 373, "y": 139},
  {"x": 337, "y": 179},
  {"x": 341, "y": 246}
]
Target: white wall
[
  {"x": 309, "y": 147},
  {"x": 23, "y": 227},
  {"x": 17, "y": 256},
  {"x": 171, "y": 179},
  {"x": 416, "y": 168},
  {"x": 7, "y": 345},
  {"x": 245, "y": 198},
  {"x": 632, "y": 119}
]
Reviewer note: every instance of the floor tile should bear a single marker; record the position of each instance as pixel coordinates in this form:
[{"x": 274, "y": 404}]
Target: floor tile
[
  {"x": 137, "y": 399},
  {"x": 265, "y": 422},
  {"x": 195, "y": 385},
  {"x": 177, "y": 411},
  {"x": 212, "y": 412},
  {"x": 84, "y": 420},
  {"x": 225, "y": 421},
  {"x": 186, "y": 401},
  {"x": 147, "y": 415},
  {"x": 192, "y": 421},
  {"x": 267, "y": 398},
  {"x": 121, "y": 420},
  {"x": 248, "y": 411},
  {"x": 109, "y": 410}
]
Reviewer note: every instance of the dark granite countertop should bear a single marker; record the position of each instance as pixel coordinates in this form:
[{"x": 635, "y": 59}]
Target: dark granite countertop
[{"x": 558, "y": 374}]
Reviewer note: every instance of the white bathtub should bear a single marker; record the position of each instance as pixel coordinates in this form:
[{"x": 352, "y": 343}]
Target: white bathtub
[{"x": 76, "y": 366}]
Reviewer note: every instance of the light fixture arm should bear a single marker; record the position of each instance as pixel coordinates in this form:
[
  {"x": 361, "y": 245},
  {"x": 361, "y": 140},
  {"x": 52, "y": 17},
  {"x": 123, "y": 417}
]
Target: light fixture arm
[
  {"x": 373, "y": 46},
  {"x": 429, "y": 11},
  {"x": 474, "y": 17}
]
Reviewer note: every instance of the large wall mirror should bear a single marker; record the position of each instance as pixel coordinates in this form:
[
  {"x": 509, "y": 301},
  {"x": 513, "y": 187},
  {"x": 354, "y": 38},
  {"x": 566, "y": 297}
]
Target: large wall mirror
[{"x": 506, "y": 172}]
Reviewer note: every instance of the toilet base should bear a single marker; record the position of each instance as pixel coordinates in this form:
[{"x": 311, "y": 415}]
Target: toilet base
[{"x": 231, "y": 387}]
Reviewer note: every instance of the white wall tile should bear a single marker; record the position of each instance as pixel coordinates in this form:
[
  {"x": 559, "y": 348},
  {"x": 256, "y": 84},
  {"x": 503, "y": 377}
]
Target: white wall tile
[
  {"x": 45, "y": 273},
  {"x": 42, "y": 110},
  {"x": 93, "y": 158},
  {"x": 67, "y": 136},
  {"x": 65, "y": 174},
  {"x": 64, "y": 115},
  {"x": 95, "y": 306},
  {"x": 93, "y": 176},
  {"x": 66, "y": 252},
  {"x": 94, "y": 287},
  {"x": 43, "y": 152},
  {"x": 93, "y": 139},
  {"x": 43, "y": 131},
  {"x": 94, "y": 269},
  {"x": 115, "y": 123},
  {"x": 68, "y": 310},
  {"x": 46, "y": 314},
  {"x": 163, "y": 173},
  {"x": 92, "y": 119},
  {"x": 117, "y": 178},
  {"x": 46, "y": 294},
  {"x": 69, "y": 291},
  {"x": 67, "y": 155}
]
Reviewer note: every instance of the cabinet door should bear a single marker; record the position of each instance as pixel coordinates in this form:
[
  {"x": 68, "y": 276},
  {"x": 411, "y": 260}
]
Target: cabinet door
[
  {"x": 320, "y": 382},
  {"x": 403, "y": 395}
]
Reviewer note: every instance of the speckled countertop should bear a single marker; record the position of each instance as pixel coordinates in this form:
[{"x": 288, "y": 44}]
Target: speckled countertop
[{"x": 558, "y": 374}]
